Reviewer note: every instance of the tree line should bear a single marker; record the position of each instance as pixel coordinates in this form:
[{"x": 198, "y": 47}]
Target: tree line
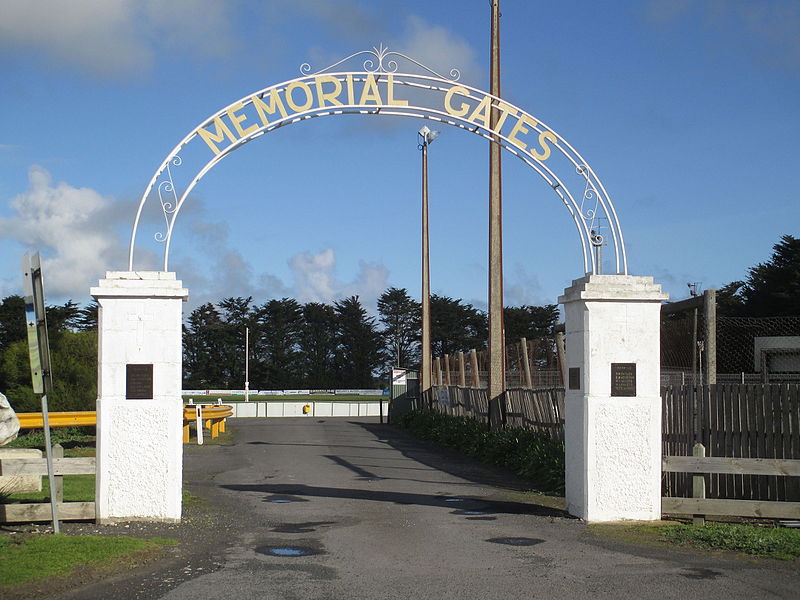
[
  {"x": 318, "y": 345},
  {"x": 321, "y": 346}
]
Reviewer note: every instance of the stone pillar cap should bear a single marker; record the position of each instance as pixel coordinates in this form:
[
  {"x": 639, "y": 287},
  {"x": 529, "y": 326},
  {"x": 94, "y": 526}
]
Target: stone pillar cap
[
  {"x": 138, "y": 284},
  {"x": 613, "y": 288}
]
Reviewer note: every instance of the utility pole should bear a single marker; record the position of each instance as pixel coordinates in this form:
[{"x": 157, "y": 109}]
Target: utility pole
[{"x": 497, "y": 373}]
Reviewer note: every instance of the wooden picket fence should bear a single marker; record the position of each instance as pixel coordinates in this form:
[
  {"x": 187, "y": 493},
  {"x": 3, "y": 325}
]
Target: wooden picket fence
[
  {"x": 41, "y": 511},
  {"x": 701, "y": 466},
  {"x": 736, "y": 421}
]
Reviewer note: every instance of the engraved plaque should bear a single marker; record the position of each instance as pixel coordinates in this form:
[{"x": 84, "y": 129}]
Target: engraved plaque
[
  {"x": 623, "y": 379},
  {"x": 139, "y": 382},
  {"x": 574, "y": 378}
]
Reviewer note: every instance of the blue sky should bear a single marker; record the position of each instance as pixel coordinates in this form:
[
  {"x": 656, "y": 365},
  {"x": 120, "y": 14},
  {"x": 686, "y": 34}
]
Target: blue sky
[{"x": 687, "y": 110}]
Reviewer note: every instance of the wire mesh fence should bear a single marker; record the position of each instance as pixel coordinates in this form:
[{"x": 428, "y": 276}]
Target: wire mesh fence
[{"x": 743, "y": 349}]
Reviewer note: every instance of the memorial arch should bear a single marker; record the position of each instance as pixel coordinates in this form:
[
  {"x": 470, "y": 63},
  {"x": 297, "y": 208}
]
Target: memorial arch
[{"x": 139, "y": 378}]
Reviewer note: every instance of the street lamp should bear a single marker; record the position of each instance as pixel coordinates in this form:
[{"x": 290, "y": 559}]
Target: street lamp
[{"x": 426, "y": 136}]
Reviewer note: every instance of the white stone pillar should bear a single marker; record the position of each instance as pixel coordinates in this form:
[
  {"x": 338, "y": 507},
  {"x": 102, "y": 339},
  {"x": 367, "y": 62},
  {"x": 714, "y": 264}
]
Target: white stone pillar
[
  {"x": 613, "y": 403},
  {"x": 139, "y": 405}
]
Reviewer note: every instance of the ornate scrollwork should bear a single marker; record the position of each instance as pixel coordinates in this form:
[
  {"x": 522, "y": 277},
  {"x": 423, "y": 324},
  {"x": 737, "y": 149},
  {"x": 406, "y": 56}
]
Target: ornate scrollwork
[
  {"x": 169, "y": 205},
  {"x": 590, "y": 213},
  {"x": 380, "y": 60}
]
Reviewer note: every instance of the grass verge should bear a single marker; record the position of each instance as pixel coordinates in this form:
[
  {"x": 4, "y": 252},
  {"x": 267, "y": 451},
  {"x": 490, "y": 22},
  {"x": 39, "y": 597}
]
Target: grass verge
[
  {"x": 77, "y": 488},
  {"x": 26, "y": 559},
  {"x": 527, "y": 453},
  {"x": 775, "y": 542},
  {"x": 756, "y": 540}
]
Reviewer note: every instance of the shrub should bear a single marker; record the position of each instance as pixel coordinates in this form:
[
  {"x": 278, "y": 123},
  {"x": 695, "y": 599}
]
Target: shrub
[{"x": 528, "y": 453}]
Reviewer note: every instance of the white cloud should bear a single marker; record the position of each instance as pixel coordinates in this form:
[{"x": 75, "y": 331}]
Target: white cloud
[
  {"x": 73, "y": 228},
  {"x": 114, "y": 38},
  {"x": 439, "y": 48},
  {"x": 315, "y": 279},
  {"x": 313, "y": 274}
]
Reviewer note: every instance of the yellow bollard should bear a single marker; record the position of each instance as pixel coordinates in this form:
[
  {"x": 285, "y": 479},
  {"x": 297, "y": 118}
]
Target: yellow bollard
[{"x": 307, "y": 409}]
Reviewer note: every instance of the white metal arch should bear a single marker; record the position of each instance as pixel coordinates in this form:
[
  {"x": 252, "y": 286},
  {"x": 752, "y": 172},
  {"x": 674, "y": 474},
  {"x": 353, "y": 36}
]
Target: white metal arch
[{"x": 593, "y": 202}]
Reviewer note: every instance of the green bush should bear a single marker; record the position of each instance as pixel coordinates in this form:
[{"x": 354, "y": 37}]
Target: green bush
[{"x": 528, "y": 453}]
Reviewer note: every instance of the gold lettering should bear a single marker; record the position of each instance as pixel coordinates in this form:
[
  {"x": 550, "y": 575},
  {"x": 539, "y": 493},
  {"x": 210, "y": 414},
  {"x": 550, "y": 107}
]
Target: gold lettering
[
  {"x": 237, "y": 120},
  {"x": 390, "y": 93},
  {"x": 543, "y": 137},
  {"x": 220, "y": 132},
  {"x": 332, "y": 97},
  {"x": 481, "y": 112},
  {"x": 505, "y": 110},
  {"x": 302, "y": 85},
  {"x": 523, "y": 120},
  {"x": 350, "y": 95},
  {"x": 370, "y": 91},
  {"x": 263, "y": 108},
  {"x": 448, "y": 101}
]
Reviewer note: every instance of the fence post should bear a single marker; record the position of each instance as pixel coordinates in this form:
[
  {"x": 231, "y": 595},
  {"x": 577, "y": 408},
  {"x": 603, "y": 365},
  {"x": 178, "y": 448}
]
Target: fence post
[
  {"x": 526, "y": 366},
  {"x": 476, "y": 375},
  {"x": 699, "y": 484},
  {"x": 447, "y": 369},
  {"x": 710, "y": 306},
  {"x": 58, "y": 452},
  {"x": 462, "y": 370}
]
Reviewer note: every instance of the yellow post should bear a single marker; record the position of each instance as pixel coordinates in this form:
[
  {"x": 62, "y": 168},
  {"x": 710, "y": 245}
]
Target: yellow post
[{"x": 186, "y": 433}]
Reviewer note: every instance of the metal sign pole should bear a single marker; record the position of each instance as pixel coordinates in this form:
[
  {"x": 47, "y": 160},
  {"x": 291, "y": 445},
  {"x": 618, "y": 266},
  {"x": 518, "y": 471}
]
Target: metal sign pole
[{"x": 39, "y": 350}]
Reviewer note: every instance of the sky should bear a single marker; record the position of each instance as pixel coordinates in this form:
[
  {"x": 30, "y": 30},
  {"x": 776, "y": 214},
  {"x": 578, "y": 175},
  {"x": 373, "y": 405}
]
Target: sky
[{"x": 687, "y": 110}]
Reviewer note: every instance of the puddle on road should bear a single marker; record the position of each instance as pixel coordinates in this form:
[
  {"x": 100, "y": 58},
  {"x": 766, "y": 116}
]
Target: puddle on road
[
  {"x": 309, "y": 527},
  {"x": 481, "y": 518},
  {"x": 283, "y": 498},
  {"x": 515, "y": 541},
  {"x": 288, "y": 551}
]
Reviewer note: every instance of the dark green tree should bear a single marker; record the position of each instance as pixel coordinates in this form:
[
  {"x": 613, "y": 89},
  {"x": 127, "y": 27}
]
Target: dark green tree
[
  {"x": 359, "y": 345},
  {"x": 401, "y": 318},
  {"x": 277, "y": 360},
  {"x": 529, "y": 322},
  {"x": 203, "y": 343},
  {"x": 12, "y": 321},
  {"x": 317, "y": 345},
  {"x": 73, "y": 356},
  {"x": 772, "y": 288},
  {"x": 87, "y": 317},
  {"x": 456, "y": 326}
]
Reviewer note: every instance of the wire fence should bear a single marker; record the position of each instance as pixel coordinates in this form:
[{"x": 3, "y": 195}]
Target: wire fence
[{"x": 695, "y": 346}]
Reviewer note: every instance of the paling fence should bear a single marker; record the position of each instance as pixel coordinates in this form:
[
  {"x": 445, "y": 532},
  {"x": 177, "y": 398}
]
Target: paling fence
[
  {"x": 540, "y": 409},
  {"x": 532, "y": 363},
  {"x": 730, "y": 420},
  {"x": 734, "y": 420}
]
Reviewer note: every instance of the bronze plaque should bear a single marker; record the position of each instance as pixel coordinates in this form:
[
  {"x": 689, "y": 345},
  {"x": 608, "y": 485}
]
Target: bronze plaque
[
  {"x": 574, "y": 378},
  {"x": 139, "y": 382},
  {"x": 623, "y": 379}
]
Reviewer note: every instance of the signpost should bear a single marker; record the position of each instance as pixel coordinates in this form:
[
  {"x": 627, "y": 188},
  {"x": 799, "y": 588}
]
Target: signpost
[{"x": 39, "y": 350}]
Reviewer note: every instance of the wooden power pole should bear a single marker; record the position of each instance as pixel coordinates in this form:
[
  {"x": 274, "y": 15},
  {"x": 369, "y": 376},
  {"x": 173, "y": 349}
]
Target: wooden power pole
[{"x": 497, "y": 382}]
